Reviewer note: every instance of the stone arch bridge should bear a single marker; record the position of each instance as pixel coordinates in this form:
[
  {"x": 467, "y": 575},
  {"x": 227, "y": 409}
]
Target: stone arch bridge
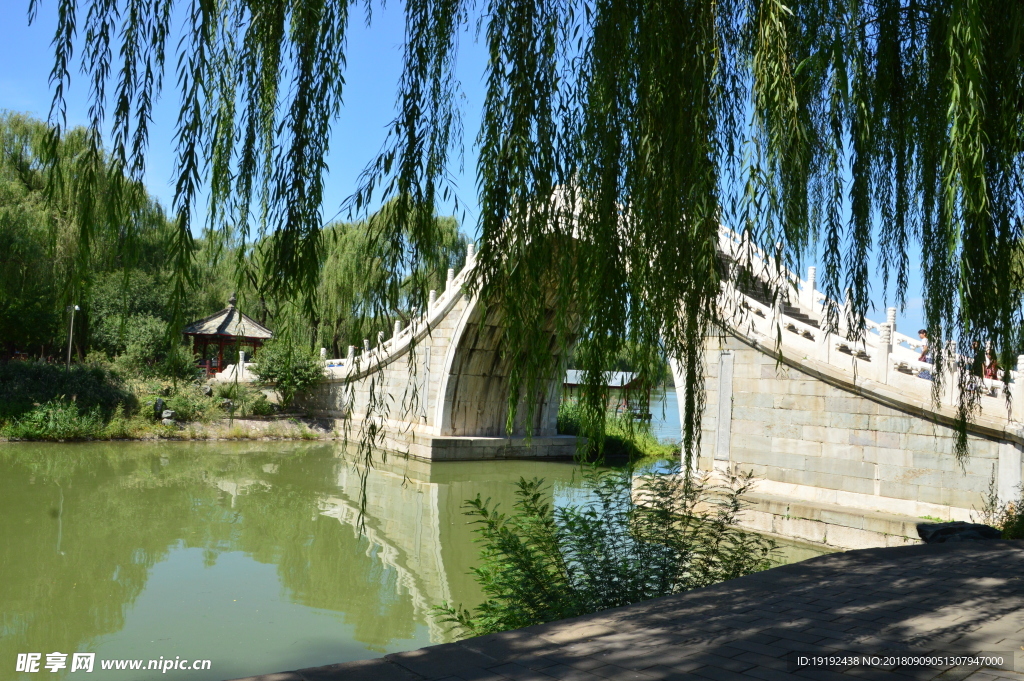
[
  {"x": 438, "y": 388},
  {"x": 849, "y": 447}
]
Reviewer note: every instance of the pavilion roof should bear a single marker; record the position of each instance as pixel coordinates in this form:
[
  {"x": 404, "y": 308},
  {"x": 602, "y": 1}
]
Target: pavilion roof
[{"x": 229, "y": 323}]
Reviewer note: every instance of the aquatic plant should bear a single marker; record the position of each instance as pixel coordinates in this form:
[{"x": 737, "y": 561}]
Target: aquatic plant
[{"x": 636, "y": 538}]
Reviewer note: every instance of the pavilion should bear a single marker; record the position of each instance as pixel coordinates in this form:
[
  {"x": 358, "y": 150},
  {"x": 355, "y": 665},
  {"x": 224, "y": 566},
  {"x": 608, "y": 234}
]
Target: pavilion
[{"x": 227, "y": 328}]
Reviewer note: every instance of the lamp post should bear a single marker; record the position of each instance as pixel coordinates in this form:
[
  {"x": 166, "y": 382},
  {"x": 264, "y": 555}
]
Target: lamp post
[{"x": 71, "y": 331}]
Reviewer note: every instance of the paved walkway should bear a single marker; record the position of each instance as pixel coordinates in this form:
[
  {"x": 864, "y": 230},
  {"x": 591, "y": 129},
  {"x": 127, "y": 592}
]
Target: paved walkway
[{"x": 938, "y": 599}]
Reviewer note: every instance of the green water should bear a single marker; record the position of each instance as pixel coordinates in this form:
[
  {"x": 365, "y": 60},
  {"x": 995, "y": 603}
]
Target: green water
[{"x": 248, "y": 555}]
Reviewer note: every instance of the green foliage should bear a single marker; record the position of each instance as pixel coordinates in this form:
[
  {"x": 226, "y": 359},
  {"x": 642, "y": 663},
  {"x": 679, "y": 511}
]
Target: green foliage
[
  {"x": 190, "y": 404},
  {"x": 57, "y": 419},
  {"x": 624, "y": 438},
  {"x": 1007, "y": 517},
  {"x": 26, "y": 385},
  {"x": 545, "y": 562},
  {"x": 247, "y": 400},
  {"x": 289, "y": 367}
]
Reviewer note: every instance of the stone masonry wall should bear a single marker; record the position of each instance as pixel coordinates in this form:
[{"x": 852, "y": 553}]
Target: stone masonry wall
[{"x": 810, "y": 440}]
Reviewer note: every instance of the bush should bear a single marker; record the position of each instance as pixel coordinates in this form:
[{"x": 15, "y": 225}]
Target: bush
[
  {"x": 24, "y": 386},
  {"x": 190, "y": 404},
  {"x": 544, "y": 563},
  {"x": 288, "y": 367},
  {"x": 248, "y": 401},
  {"x": 57, "y": 419},
  {"x": 1008, "y": 518}
]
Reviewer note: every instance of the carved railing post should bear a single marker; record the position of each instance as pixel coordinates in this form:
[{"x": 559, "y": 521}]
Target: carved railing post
[
  {"x": 881, "y": 358},
  {"x": 351, "y": 354},
  {"x": 450, "y": 280},
  {"x": 809, "y": 287},
  {"x": 951, "y": 373},
  {"x": 1017, "y": 391},
  {"x": 470, "y": 253},
  {"x": 890, "y": 319},
  {"x": 398, "y": 328},
  {"x": 432, "y": 300}
]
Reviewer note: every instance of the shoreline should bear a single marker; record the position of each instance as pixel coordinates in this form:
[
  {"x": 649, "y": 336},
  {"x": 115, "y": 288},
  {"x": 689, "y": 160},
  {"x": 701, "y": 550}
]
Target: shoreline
[{"x": 245, "y": 428}]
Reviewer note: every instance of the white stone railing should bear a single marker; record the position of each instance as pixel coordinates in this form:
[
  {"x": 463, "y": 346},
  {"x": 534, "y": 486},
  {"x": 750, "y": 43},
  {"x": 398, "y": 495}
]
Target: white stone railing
[
  {"x": 882, "y": 356},
  {"x": 367, "y": 358}
]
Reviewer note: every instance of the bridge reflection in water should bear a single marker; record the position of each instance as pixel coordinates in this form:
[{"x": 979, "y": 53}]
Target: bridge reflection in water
[
  {"x": 414, "y": 516},
  {"x": 247, "y": 554}
]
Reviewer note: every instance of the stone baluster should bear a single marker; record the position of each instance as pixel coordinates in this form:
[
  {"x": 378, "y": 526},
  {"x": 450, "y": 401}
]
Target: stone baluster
[
  {"x": 432, "y": 300},
  {"x": 380, "y": 338},
  {"x": 890, "y": 319},
  {"x": 809, "y": 287},
  {"x": 951, "y": 375},
  {"x": 824, "y": 342},
  {"x": 398, "y": 328},
  {"x": 450, "y": 281},
  {"x": 323, "y": 354},
  {"x": 1017, "y": 391},
  {"x": 470, "y": 253},
  {"x": 366, "y": 345},
  {"x": 350, "y": 357},
  {"x": 881, "y": 357},
  {"x": 241, "y": 358}
]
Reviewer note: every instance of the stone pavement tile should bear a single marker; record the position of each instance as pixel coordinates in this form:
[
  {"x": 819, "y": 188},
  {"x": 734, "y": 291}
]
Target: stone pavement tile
[
  {"x": 730, "y": 663},
  {"x": 518, "y": 672},
  {"x": 823, "y": 674},
  {"x": 567, "y": 673},
  {"x": 378, "y": 669},
  {"x": 613, "y": 672},
  {"x": 480, "y": 675},
  {"x": 509, "y": 644},
  {"x": 819, "y": 615},
  {"x": 660, "y": 673},
  {"x": 759, "y": 660},
  {"x": 791, "y": 635},
  {"x": 766, "y": 674},
  {"x": 766, "y": 649},
  {"x": 443, "y": 660},
  {"x": 719, "y": 674},
  {"x": 582, "y": 662}
]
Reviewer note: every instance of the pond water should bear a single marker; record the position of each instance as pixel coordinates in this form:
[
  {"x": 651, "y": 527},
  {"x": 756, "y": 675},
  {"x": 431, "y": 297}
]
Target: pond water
[{"x": 246, "y": 554}]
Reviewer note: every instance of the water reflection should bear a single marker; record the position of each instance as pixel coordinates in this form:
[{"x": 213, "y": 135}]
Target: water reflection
[{"x": 248, "y": 555}]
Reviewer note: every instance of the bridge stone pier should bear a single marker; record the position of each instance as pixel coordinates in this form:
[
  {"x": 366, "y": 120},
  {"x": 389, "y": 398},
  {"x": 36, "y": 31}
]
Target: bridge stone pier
[
  {"x": 438, "y": 388},
  {"x": 848, "y": 447}
]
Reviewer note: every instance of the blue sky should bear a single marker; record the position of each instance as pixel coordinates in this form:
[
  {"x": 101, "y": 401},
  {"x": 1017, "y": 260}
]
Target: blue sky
[{"x": 374, "y": 65}]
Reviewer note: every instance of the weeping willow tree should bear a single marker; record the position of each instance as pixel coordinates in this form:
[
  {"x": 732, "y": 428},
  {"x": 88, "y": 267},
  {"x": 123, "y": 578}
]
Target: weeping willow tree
[{"x": 616, "y": 137}]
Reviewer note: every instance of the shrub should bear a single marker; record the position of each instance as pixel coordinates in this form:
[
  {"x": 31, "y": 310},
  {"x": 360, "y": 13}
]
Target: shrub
[
  {"x": 26, "y": 385},
  {"x": 57, "y": 419},
  {"x": 290, "y": 368},
  {"x": 190, "y": 404},
  {"x": 248, "y": 401},
  {"x": 1008, "y": 518},
  {"x": 545, "y": 563}
]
